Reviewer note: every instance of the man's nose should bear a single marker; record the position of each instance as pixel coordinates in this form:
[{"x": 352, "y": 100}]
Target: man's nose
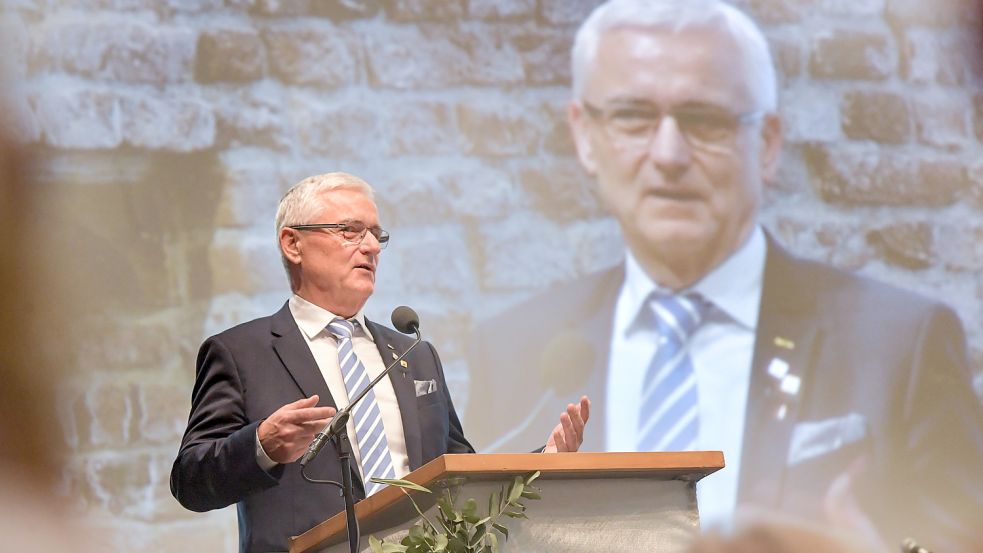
[
  {"x": 370, "y": 244},
  {"x": 669, "y": 149}
]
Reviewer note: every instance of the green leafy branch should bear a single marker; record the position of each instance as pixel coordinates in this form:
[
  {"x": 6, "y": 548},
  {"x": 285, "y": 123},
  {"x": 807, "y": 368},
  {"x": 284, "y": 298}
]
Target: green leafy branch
[{"x": 461, "y": 530}]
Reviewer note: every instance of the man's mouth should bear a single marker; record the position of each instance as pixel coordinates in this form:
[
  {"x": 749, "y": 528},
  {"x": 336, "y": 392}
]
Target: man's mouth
[{"x": 367, "y": 266}]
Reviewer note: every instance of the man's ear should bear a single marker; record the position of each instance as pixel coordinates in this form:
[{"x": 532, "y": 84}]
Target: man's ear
[
  {"x": 579, "y": 129},
  {"x": 772, "y": 138},
  {"x": 290, "y": 245}
]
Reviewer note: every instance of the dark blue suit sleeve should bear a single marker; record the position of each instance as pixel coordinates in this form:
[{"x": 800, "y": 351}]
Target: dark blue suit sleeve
[{"x": 216, "y": 465}]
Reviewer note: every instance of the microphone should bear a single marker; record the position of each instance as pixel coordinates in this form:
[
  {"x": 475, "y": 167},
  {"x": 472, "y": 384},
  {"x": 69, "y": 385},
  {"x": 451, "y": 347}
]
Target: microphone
[
  {"x": 564, "y": 367},
  {"x": 404, "y": 320},
  {"x": 909, "y": 545}
]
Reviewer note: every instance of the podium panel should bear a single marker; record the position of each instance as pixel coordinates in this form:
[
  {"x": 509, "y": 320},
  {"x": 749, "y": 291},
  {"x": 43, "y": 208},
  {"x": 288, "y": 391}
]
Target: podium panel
[{"x": 590, "y": 501}]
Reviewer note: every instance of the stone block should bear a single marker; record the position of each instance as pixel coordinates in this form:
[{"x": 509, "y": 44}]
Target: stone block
[
  {"x": 14, "y": 43},
  {"x": 313, "y": 53},
  {"x": 78, "y": 116},
  {"x": 166, "y": 122},
  {"x": 598, "y": 244},
  {"x": 565, "y": 12},
  {"x": 418, "y": 192},
  {"x": 244, "y": 261},
  {"x": 505, "y": 126},
  {"x": 120, "y": 484},
  {"x": 421, "y": 128},
  {"x": 119, "y": 49},
  {"x": 852, "y": 55},
  {"x": 960, "y": 247},
  {"x": 851, "y": 8},
  {"x": 425, "y": 10},
  {"x": 435, "y": 262},
  {"x": 112, "y": 415},
  {"x": 944, "y": 56},
  {"x": 251, "y": 190},
  {"x": 502, "y": 9},
  {"x": 905, "y": 244},
  {"x": 161, "y": 411},
  {"x": 773, "y": 12},
  {"x": 432, "y": 56},
  {"x": 229, "y": 55},
  {"x": 560, "y": 189},
  {"x": 281, "y": 8},
  {"x": 866, "y": 175},
  {"x": 545, "y": 55},
  {"x": 787, "y": 51},
  {"x": 227, "y": 310},
  {"x": 20, "y": 123},
  {"x": 254, "y": 115},
  {"x": 947, "y": 13},
  {"x": 122, "y": 345},
  {"x": 345, "y": 10},
  {"x": 525, "y": 252},
  {"x": 974, "y": 175},
  {"x": 811, "y": 112},
  {"x": 876, "y": 115},
  {"x": 351, "y": 129},
  {"x": 943, "y": 120}
]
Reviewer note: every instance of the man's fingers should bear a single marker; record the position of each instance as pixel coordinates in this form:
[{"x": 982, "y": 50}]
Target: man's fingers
[
  {"x": 301, "y": 403},
  {"x": 577, "y": 423},
  {"x": 584, "y": 408},
  {"x": 300, "y": 416}
]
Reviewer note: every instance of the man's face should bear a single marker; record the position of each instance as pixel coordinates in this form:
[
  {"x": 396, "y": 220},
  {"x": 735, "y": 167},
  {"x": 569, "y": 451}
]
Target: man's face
[
  {"x": 335, "y": 274},
  {"x": 675, "y": 197}
]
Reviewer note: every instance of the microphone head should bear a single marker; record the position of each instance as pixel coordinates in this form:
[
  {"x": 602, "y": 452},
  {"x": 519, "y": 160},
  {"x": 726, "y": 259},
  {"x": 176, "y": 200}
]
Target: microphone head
[{"x": 405, "y": 320}]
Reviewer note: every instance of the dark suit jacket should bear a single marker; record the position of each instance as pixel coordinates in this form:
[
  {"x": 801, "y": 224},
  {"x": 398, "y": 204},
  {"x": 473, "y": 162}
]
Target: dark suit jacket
[
  {"x": 251, "y": 370},
  {"x": 884, "y": 378}
]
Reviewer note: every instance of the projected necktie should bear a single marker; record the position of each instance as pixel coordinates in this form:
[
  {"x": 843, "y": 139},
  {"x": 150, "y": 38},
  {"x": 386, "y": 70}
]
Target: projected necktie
[
  {"x": 373, "y": 447},
  {"x": 668, "y": 420}
]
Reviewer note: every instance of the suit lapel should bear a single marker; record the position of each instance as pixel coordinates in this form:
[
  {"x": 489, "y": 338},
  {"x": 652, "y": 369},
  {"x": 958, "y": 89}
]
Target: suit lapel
[
  {"x": 787, "y": 339},
  {"x": 297, "y": 358},
  {"x": 389, "y": 343}
]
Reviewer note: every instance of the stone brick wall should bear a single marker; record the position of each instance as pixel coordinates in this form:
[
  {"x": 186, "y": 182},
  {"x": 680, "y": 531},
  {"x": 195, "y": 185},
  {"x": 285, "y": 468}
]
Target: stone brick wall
[{"x": 169, "y": 129}]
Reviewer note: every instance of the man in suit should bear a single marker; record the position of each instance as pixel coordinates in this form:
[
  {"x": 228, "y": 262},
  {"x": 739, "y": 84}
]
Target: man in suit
[
  {"x": 263, "y": 389},
  {"x": 832, "y": 396}
]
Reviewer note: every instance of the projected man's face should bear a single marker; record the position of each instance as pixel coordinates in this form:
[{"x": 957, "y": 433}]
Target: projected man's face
[{"x": 669, "y": 126}]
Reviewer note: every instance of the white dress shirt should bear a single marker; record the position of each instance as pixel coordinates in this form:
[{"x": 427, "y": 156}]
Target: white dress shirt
[
  {"x": 721, "y": 351},
  {"x": 312, "y": 321}
]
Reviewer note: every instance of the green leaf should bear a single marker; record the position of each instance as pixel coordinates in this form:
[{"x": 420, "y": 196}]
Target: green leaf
[
  {"x": 376, "y": 544},
  {"x": 400, "y": 484},
  {"x": 530, "y": 478},
  {"x": 531, "y": 493},
  {"x": 503, "y": 530},
  {"x": 440, "y": 543},
  {"x": 493, "y": 506},
  {"x": 492, "y": 541},
  {"x": 516, "y": 489}
]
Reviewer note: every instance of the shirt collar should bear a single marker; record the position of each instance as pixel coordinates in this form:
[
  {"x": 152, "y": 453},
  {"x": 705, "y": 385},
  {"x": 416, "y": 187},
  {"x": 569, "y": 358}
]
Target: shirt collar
[
  {"x": 734, "y": 287},
  {"x": 313, "y": 319}
]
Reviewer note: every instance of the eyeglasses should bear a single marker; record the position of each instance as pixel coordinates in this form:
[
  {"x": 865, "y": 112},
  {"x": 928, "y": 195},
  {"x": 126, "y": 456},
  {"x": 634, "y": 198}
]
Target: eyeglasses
[
  {"x": 352, "y": 233},
  {"x": 708, "y": 129}
]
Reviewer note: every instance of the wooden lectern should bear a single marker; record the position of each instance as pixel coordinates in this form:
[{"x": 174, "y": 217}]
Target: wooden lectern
[{"x": 591, "y": 501}]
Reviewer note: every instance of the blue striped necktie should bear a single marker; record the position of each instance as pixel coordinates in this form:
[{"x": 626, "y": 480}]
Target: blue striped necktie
[
  {"x": 669, "y": 418},
  {"x": 370, "y": 434}
]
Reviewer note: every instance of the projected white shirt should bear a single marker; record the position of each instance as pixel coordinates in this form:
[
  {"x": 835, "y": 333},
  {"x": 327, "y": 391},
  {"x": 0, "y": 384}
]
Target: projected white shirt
[{"x": 721, "y": 351}]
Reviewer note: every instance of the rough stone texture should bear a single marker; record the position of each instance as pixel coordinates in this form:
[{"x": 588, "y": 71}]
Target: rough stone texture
[
  {"x": 169, "y": 130},
  {"x": 434, "y": 56},
  {"x": 231, "y": 55},
  {"x": 874, "y": 115},
  {"x": 863, "y": 175},
  {"x": 118, "y": 49},
  {"x": 848, "y": 54},
  {"x": 501, "y": 9},
  {"x": 424, "y": 10},
  {"x": 313, "y": 53}
]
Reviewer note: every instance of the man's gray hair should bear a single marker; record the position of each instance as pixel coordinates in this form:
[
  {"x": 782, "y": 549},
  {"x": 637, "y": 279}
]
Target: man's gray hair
[
  {"x": 301, "y": 203},
  {"x": 674, "y": 16}
]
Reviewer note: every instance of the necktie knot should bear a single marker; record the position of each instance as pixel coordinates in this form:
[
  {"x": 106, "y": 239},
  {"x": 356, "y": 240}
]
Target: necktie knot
[
  {"x": 678, "y": 314},
  {"x": 342, "y": 328}
]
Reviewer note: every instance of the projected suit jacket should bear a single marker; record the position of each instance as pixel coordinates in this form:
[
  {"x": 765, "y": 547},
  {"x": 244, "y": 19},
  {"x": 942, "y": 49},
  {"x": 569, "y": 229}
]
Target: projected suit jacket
[
  {"x": 251, "y": 370},
  {"x": 884, "y": 378}
]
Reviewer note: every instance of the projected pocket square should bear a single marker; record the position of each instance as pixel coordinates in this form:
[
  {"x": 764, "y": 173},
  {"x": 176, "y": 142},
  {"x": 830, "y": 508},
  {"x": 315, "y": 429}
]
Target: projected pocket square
[
  {"x": 424, "y": 387},
  {"x": 811, "y": 439}
]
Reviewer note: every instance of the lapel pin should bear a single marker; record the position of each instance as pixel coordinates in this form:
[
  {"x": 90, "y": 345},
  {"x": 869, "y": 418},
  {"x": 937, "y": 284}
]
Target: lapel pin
[
  {"x": 404, "y": 364},
  {"x": 390, "y": 346},
  {"x": 395, "y": 356},
  {"x": 778, "y": 368},
  {"x": 784, "y": 343}
]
